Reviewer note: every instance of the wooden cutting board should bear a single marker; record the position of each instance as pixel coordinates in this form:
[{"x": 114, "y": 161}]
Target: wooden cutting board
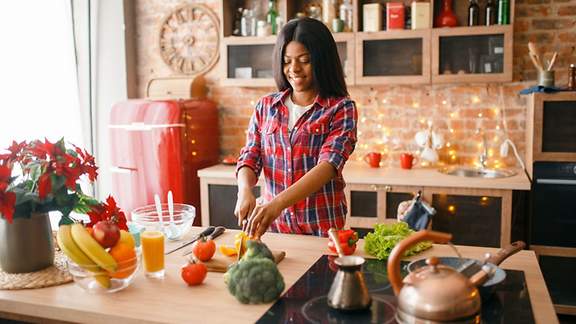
[{"x": 220, "y": 263}]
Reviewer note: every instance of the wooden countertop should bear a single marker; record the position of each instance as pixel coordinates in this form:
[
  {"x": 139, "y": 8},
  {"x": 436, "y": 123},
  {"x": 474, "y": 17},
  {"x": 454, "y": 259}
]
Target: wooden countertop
[
  {"x": 170, "y": 300},
  {"x": 360, "y": 173}
]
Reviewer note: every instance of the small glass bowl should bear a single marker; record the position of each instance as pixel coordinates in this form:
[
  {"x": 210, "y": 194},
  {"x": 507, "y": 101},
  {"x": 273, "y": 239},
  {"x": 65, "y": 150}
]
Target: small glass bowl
[
  {"x": 96, "y": 280},
  {"x": 147, "y": 217}
]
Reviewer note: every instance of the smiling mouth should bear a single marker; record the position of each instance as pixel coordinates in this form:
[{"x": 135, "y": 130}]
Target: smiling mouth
[{"x": 296, "y": 78}]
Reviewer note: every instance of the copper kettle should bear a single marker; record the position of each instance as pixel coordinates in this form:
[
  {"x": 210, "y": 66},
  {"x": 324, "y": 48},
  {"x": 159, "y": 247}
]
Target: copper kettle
[{"x": 434, "y": 293}]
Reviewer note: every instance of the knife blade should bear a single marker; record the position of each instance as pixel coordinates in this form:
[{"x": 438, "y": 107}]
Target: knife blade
[
  {"x": 217, "y": 232},
  {"x": 207, "y": 231}
]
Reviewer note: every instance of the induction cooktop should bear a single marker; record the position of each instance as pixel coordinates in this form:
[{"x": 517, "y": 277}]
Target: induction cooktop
[{"x": 305, "y": 301}]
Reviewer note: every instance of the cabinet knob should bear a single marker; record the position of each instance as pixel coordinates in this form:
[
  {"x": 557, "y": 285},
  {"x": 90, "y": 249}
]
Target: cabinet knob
[
  {"x": 374, "y": 187},
  {"x": 388, "y": 188}
]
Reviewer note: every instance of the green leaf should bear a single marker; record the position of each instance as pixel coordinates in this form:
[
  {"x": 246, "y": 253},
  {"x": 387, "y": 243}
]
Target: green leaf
[
  {"x": 65, "y": 220},
  {"x": 386, "y": 236}
]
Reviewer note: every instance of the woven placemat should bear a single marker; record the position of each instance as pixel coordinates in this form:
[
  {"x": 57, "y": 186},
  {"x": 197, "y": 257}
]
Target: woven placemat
[{"x": 54, "y": 275}]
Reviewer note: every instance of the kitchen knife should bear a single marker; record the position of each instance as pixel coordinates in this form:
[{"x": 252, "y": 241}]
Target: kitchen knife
[
  {"x": 217, "y": 232},
  {"x": 207, "y": 231}
]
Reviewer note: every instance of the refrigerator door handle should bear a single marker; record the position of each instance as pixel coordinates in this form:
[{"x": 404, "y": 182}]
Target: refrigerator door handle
[{"x": 123, "y": 170}]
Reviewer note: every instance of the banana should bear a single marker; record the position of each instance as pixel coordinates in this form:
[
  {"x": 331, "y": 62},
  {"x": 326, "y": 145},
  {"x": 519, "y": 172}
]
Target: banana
[
  {"x": 74, "y": 253},
  {"x": 92, "y": 248}
]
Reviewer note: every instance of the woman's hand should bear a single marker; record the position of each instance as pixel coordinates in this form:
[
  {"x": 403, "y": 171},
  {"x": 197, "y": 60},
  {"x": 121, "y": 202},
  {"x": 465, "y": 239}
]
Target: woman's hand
[
  {"x": 262, "y": 216},
  {"x": 244, "y": 205}
]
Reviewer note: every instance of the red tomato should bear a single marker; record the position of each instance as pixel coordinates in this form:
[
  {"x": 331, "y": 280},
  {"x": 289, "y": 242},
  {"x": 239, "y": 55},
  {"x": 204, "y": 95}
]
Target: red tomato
[
  {"x": 348, "y": 239},
  {"x": 204, "y": 249},
  {"x": 194, "y": 273}
]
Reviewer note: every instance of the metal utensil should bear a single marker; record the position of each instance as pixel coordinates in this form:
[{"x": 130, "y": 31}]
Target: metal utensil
[
  {"x": 217, "y": 232},
  {"x": 207, "y": 231},
  {"x": 348, "y": 291}
]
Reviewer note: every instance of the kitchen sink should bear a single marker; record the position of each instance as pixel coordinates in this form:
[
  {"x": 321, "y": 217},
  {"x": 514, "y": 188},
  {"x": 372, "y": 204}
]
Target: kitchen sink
[{"x": 470, "y": 172}]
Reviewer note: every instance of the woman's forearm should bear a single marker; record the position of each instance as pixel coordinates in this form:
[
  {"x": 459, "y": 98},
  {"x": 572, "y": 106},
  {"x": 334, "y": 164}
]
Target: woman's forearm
[
  {"x": 246, "y": 179},
  {"x": 311, "y": 182}
]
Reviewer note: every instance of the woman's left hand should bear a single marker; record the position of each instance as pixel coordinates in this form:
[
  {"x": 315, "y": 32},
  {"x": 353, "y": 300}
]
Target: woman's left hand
[{"x": 262, "y": 216}]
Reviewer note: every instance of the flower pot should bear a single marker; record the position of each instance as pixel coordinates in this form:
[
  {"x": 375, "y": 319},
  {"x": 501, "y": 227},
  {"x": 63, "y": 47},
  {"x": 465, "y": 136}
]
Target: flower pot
[{"x": 26, "y": 245}]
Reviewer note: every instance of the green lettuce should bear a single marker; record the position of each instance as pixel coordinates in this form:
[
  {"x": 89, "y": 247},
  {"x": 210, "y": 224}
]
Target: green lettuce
[{"x": 385, "y": 237}]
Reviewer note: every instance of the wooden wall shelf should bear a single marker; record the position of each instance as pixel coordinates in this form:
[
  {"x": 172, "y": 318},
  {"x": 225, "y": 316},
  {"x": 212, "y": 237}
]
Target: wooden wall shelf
[{"x": 386, "y": 57}]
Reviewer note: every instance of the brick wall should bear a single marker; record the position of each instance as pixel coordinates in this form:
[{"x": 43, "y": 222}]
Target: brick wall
[{"x": 391, "y": 115}]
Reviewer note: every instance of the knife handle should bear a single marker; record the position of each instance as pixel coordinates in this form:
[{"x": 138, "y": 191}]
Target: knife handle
[
  {"x": 206, "y": 232},
  {"x": 217, "y": 232}
]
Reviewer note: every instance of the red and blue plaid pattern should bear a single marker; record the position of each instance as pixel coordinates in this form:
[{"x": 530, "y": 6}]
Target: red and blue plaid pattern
[{"x": 326, "y": 132}]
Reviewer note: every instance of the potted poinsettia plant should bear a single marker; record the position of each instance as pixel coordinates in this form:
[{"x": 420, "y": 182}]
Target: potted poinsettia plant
[{"x": 35, "y": 178}]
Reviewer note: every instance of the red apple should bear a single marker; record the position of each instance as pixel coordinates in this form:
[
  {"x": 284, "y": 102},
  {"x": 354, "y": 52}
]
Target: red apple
[{"x": 106, "y": 233}]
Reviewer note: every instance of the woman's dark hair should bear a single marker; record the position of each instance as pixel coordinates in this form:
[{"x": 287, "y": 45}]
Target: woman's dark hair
[{"x": 326, "y": 65}]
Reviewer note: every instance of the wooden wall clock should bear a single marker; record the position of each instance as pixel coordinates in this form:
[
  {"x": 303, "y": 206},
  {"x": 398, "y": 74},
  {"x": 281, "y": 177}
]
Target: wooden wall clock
[{"x": 189, "y": 39}]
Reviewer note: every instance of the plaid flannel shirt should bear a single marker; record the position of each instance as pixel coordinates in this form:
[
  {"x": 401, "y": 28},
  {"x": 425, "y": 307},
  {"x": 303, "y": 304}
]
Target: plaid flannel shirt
[{"x": 325, "y": 132}]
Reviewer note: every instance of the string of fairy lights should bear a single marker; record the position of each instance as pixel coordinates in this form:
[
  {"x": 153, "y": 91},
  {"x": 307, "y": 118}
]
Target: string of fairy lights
[{"x": 378, "y": 130}]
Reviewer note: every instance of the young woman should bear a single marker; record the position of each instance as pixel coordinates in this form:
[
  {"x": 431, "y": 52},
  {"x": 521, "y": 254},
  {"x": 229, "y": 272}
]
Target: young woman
[{"x": 301, "y": 137}]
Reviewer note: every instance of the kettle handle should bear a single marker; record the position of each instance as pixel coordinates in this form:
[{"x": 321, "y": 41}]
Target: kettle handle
[{"x": 398, "y": 252}]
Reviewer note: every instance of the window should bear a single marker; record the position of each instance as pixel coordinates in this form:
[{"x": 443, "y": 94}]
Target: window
[{"x": 38, "y": 88}]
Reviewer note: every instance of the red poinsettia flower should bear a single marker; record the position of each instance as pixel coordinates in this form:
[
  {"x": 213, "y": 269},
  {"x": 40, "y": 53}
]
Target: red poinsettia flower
[
  {"x": 107, "y": 211},
  {"x": 7, "y": 199},
  {"x": 15, "y": 149},
  {"x": 44, "y": 186}
]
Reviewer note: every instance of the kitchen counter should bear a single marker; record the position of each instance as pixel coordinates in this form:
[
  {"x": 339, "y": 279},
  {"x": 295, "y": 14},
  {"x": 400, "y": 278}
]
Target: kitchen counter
[
  {"x": 170, "y": 300},
  {"x": 360, "y": 173}
]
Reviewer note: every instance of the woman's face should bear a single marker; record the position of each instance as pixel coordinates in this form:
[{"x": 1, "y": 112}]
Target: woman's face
[{"x": 297, "y": 67}]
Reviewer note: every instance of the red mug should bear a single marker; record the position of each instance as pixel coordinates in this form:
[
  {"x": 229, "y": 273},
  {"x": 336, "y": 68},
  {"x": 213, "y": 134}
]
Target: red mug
[
  {"x": 406, "y": 160},
  {"x": 373, "y": 159}
]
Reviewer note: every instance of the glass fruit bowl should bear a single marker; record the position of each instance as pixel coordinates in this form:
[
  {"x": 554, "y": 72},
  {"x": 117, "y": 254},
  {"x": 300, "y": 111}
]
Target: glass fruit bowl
[
  {"x": 95, "y": 279},
  {"x": 147, "y": 217}
]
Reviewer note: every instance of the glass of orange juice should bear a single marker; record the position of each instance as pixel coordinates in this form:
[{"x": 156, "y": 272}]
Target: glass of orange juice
[{"x": 153, "y": 253}]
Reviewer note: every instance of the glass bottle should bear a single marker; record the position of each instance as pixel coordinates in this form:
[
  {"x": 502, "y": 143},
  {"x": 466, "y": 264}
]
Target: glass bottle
[
  {"x": 253, "y": 22},
  {"x": 245, "y": 23},
  {"x": 473, "y": 13},
  {"x": 446, "y": 18},
  {"x": 346, "y": 14},
  {"x": 328, "y": 11},
  {"x": 237, "y": 31},
  {"x": 503, "y": 12},
  {"x": 572, "y": 78},
  {"x": 271, "y": 16},
  {"x": 490, "y": 13}
]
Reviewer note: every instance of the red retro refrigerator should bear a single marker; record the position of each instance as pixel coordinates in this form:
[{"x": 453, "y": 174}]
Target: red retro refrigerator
[{"x": 159, "y": 145}]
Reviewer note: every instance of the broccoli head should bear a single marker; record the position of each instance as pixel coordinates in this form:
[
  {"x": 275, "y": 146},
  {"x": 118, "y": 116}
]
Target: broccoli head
[
  {"x": 255, "y": 280},
  {"x": 257, "y": 249}
]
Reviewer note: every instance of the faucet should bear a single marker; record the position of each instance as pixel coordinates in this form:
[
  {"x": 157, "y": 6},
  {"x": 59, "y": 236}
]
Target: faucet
[{"x": 484, "y": 152}]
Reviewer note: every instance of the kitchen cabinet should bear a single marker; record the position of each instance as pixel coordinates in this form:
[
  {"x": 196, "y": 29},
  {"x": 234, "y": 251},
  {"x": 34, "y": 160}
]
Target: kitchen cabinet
[
  {"x": 399, "y": 56},
  {"x": 477, "y": 211},
  {"x": 406, "y": 53},
  {"x": 472, "y": 54},
  {"x": 370, "y": 204},
  {"x": 550, "y": 130},
  {"x": 477, "y": 217},
  {"x": 218, "y": 200}
]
